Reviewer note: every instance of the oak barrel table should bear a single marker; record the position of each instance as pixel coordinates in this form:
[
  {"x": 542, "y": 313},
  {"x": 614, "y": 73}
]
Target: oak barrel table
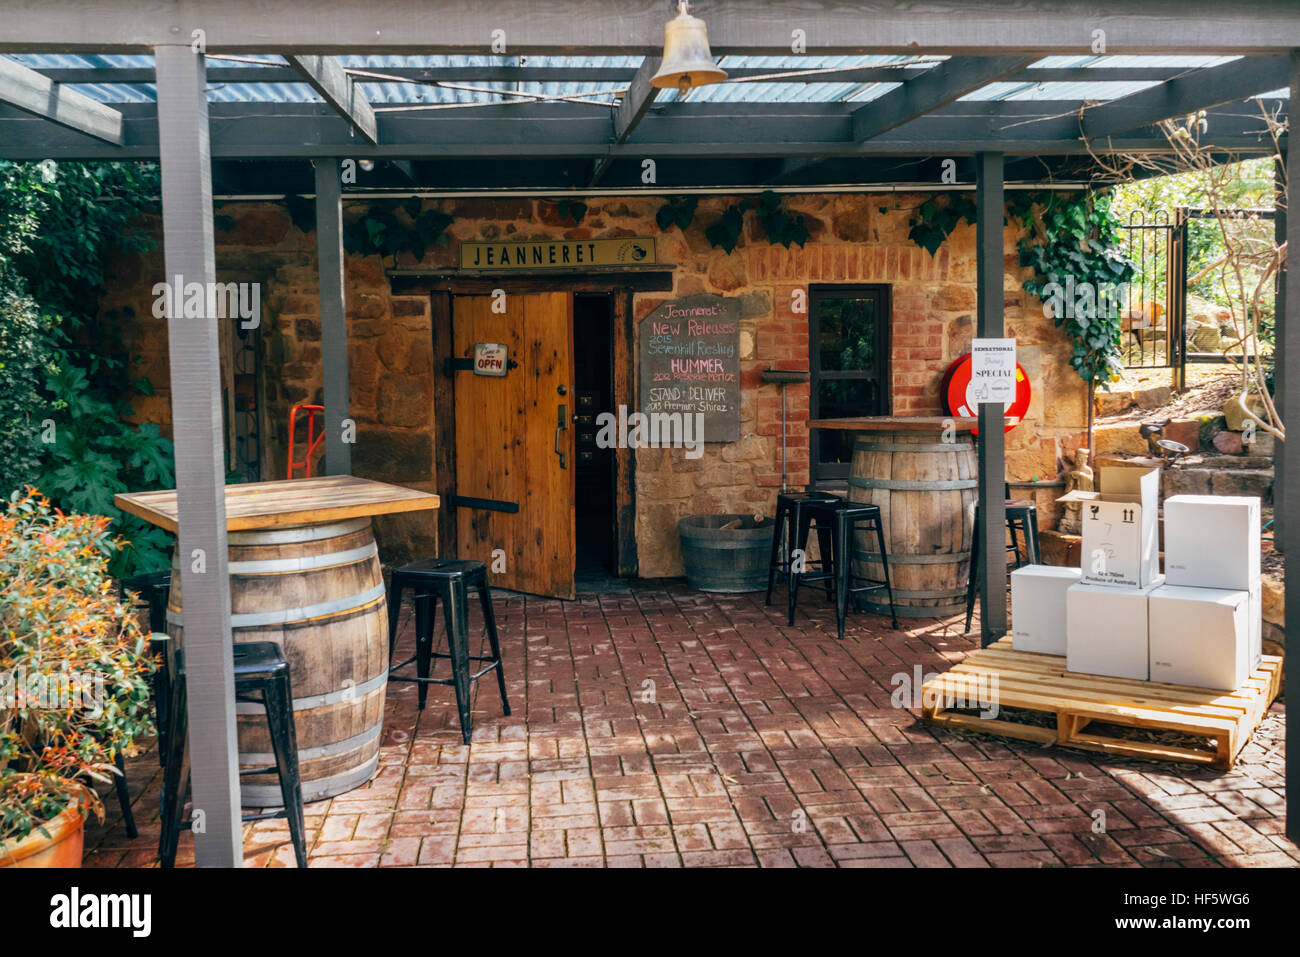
[
  {"x": 922, "y": 472},
  {"x": 304, "y": 573}
]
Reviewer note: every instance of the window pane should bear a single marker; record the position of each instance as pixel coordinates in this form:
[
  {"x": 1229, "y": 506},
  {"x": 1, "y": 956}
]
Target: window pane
[
  {"x": 838, "y": 399},
  {"x": 847, "y": 334}
]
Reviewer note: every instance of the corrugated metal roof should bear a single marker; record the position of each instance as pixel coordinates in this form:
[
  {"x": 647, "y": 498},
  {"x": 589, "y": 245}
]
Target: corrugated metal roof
[{"x": 781, "y": 90}]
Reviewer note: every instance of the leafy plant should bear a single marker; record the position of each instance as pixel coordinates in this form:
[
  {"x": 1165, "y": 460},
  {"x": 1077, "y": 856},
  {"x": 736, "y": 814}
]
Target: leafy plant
[
  {"x": 74, "y": 663},
  {"x": 937, "y": 217},
  {"x": 725, "y": 233},
  {"x": 572, "y": 209},
  {"x": 80, "y": 446},
  {"x": 390, "y": 228},
  {"x": 678, "y": 211}
]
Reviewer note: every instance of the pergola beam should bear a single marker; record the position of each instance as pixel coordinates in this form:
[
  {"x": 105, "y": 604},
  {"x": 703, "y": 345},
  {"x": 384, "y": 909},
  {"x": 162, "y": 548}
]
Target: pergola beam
[
  {"x": 309, "y": 130},
  {"x": 326, "y": 76},
  {"x": 623, "y": 27},
  {"x": 36, "y": 94},
  {"x": 926, "y": 93},
  {"x": 636, "y": 102},
  {"x": 599, "y": 74},
  {"x": 1198, "y": 91}
]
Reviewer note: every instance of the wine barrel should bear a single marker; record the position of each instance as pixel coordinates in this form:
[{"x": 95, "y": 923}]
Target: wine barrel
[
  {"x": 317, "y": 592},
  {"x": 926, "y": 490},
  {"x": 726, "y": 559}
]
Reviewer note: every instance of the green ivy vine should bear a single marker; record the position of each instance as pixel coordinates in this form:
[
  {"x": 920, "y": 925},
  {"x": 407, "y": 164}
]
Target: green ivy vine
[
  {"x": 1075, "y": 236},
  {"x": 937, "y": 217},
  {"x": 780, "y": 226},
  {"x": 389, "y": 228},
  {"x": 678, "y": 211}
]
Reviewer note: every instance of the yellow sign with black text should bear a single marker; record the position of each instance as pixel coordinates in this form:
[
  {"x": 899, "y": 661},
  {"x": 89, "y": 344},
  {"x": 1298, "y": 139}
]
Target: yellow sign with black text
[{"x": 570, "y": 254}]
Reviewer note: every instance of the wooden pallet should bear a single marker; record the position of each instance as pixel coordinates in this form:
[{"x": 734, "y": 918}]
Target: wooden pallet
[{"x": 1035, "y": 682}]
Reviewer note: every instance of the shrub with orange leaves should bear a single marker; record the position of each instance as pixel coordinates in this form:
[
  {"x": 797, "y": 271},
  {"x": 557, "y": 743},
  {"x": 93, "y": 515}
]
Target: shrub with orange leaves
[{"x": 74, "y": 662}]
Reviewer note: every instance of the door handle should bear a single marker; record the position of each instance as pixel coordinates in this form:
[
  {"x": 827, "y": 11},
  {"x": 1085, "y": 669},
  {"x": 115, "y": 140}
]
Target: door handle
[{"x": 561, "y": 425}]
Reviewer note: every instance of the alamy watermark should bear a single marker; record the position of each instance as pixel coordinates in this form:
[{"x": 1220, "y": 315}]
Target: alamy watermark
[
  {"x": 1085, "y": 300},
  {"x": 52, "y": 691},
  {"x": 651, "y": 430},
  {"x": 926, "y": 692},
  {"x": 209, "y": 300}
]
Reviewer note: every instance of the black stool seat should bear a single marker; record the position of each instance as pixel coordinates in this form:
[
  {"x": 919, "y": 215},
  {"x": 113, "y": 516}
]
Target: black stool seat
[
  {"x": 448, "y": 580},
  {"x": 843, "y": 519},
  {"x": 262, "y": 677},
  {"x": 789, "y": 518},
  {"x": 1022, "y": 523}
]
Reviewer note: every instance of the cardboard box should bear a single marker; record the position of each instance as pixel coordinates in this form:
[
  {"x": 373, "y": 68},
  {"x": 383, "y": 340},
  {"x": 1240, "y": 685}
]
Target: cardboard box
[
  {"x": 1120, "y": 529},
  {"x": 1038, "y": 607},
  {"x": 1106, "y": 630},
  {"x": 1199, "y": 636},
  {"x": 1212, "y": 541}
]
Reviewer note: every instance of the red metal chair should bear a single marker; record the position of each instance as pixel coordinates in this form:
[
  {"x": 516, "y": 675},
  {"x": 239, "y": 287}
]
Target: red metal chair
[{"x": 313, "y": 440}]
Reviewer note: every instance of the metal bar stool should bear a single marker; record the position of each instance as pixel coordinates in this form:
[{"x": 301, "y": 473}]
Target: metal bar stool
[
  {"x": 261, "y": 677},
  {"x": 153, "y": 589},
  {"x": 843, "y": 519},
  {"x": 1022, "y": 522},
  {"x": 447, "y": 579},
  {"x": 790, "y": 508}
]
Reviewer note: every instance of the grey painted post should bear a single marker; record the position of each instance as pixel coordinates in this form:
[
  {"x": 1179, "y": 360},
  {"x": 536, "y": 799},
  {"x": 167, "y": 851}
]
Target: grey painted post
[
  {"x": 1289, "y": 330},
  {"x": 333, "y": 316},
  {"x": 992, "y": 442},
  {"x": 194, "y": 352},
  {"x": 1279, "y": 357}
]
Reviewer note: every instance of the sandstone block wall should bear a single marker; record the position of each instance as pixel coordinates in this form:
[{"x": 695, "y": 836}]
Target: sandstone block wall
[{"x": 855, "y": 239}]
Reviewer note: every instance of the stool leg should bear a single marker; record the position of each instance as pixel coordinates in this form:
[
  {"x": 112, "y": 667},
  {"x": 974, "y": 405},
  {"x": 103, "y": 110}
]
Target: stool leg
[
  {"x": 176, "y": 779},
  {"x": 803, "y": 521},
  {"x": 426, "y": 610},
  {"x": 884, "y": 563},
  {"x": 124, "y": 796},
  {"x": 826, "y": 547},
  {"x": 284, "y": 743},
  {"x": 780, "y": 536},
  {"x": 161, "y": 683},
  {"x": 458, "y": 648},
  {"x": 973, "y": 572},
  {"x": 394, "y": 612},
  {"x": 840, "y": 549},
  {"x": 490, "y": 620},
  {"x": 1032, "y": 554}
]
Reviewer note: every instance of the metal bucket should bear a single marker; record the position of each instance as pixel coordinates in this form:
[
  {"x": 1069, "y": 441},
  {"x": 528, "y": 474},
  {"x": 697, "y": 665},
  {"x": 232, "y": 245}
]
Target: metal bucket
[{"x": 726, "y": 559}]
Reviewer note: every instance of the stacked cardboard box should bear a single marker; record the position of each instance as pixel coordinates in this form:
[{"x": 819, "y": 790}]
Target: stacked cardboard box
[
  {"x": 1106, "y": 612},
  {"x": 1205, "y": 624}
]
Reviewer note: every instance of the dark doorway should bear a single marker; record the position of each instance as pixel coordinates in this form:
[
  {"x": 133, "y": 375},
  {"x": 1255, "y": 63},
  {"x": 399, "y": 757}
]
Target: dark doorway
[{"x": 593, "y": 393}]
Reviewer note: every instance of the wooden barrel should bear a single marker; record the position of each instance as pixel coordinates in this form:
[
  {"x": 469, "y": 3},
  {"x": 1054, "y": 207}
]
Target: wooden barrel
[
  {"x": 317, "y": 592},
  {"x": 925, "y": 489},
  {"x": 726, "y": 559}
]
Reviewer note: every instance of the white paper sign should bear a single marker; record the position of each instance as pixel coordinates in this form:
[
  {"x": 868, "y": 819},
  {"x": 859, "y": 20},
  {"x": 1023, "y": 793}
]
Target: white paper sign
[
  {"x": 490, "y": 359},
  {"x": 992, "y": 371}
]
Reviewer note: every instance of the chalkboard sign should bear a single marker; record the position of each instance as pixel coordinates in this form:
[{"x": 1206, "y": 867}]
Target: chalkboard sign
[{"x": 690, "y": 362}]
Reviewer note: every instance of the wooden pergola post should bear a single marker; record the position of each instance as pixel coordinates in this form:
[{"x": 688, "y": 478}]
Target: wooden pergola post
[
  {"x": 333, "y": 316},
  {"x": 195, "y": 356},
  {"x": 991, "y": 449}
]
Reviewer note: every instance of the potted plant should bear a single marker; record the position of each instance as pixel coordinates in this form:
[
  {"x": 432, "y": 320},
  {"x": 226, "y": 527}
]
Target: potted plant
[{"x": 74, "y": 690}]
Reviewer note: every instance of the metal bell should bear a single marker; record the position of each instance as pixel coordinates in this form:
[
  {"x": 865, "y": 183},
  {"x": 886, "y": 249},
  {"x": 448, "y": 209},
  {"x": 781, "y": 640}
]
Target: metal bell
[{"x": 687, "y": 61}]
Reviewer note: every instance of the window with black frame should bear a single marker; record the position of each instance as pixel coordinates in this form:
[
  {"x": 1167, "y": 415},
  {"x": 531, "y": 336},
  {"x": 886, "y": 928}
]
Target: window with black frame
[{"x": 849, "y": 364}]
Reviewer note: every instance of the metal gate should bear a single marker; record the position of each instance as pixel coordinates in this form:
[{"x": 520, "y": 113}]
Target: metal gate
[{"x": 1153, "y": 317}]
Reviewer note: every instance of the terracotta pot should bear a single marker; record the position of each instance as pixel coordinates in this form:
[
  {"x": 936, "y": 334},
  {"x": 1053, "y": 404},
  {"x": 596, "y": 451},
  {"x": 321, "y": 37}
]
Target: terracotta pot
[{"x": 63, "y": 848}]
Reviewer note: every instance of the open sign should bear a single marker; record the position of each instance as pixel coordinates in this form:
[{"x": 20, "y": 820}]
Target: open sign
[{"x": 490, "y": 358}]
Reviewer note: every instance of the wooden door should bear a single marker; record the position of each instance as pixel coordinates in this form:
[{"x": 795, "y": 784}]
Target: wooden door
[{"x": 514, "y": 441}]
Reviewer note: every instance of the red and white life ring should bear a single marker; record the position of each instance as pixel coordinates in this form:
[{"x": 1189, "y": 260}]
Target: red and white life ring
[{"x": 958, "y": 399}]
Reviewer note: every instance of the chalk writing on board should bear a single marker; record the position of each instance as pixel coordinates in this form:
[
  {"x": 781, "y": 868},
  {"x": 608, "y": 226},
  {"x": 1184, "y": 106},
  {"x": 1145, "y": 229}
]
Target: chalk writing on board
[{"x": 690, "y": 362}]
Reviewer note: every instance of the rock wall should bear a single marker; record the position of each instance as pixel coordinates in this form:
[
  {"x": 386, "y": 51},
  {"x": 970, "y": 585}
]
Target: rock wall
[{"x": 857, "y": 238}]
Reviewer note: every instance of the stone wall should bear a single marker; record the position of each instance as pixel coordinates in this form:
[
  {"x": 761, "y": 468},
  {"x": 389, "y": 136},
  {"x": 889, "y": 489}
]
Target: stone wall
[{"x": 855, "y": 238}]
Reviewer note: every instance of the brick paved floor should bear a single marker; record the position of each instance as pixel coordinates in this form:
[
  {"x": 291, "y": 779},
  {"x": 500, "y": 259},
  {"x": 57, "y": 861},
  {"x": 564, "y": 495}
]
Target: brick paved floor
[{"x": 660, "y": 727}]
